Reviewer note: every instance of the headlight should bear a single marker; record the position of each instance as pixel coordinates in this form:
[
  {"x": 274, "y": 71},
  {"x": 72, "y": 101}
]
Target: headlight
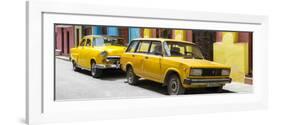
[
  {"x": 225, "y": 72},
  {"x": 196, "y": 72},
  {"x": 103, "y": 54}
]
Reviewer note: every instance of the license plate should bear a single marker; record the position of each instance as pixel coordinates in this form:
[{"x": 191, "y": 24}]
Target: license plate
[{"x": 213, "y": 84}]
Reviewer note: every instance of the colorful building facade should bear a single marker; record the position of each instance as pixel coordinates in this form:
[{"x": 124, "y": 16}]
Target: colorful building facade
[{"x": 231, "y": 48}]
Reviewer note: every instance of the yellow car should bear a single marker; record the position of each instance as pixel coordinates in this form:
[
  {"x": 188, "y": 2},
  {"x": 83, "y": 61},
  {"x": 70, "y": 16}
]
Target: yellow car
[
  {"x": 179, "y": 65},
  {"x": 96, "y": 53}
]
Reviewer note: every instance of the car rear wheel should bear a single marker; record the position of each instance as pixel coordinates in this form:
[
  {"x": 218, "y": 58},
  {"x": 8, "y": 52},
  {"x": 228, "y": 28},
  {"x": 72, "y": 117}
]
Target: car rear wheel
[
  {"x": 74, "y": 66},
  {"x": 132, "y": 79},
  {"x": 95, "y": 72},
  {"x": 174, "y": 85}
]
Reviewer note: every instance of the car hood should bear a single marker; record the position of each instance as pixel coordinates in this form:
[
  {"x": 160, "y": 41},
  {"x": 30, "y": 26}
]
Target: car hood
[
  {"x": 198, "y": 63},
  {"x": 113, "y": 50}
]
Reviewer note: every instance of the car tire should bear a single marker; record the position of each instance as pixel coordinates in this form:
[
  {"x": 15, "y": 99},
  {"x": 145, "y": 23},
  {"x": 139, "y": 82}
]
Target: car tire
[
  {"x": 174, "y": 85},
  {"x": 95, "y": 72},
  {"x": 75, "y": 67},
  {"x": 132, "y": 78},
  {"x": 215, "y": 89}
]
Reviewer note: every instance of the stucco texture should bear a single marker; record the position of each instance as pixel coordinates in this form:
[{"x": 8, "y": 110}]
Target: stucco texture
[{"x": 234, "y": 53}]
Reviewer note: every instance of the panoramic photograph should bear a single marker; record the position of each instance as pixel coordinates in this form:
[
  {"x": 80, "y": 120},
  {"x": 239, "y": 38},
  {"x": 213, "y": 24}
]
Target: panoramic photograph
[{"x": 113, "y": 62}]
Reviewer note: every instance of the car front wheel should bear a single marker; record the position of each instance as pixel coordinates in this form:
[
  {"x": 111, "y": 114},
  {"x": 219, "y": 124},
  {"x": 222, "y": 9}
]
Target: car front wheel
[
  {"x": 132, "y": 79},
  {"x": 74, "y": 66},
  {"x": 95, "y": 72},
  {"x": 174, "y": 85}
]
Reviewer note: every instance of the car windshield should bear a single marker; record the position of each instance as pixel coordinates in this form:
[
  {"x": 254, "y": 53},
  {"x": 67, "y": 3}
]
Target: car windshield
[
  {"x": 180, "y": 49},
  {"x": 109, "y": 42},
  {"x": 114, "y": 41}
]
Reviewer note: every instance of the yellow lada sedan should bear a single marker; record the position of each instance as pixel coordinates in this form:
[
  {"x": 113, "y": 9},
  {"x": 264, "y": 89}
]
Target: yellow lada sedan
[
  {"x": 96, "y": 53},
  {"x": 179, "y": 65}
]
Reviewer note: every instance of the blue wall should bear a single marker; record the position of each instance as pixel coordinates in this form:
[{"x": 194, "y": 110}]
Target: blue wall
[
  {"x": 96, "y": 30},
  {"x": 112, "y": 31},
  {"x": 134, "y": 33}
]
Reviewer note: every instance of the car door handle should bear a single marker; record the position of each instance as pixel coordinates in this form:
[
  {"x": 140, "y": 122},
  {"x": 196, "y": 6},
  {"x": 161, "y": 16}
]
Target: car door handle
[{"x": 146, "y": 57}]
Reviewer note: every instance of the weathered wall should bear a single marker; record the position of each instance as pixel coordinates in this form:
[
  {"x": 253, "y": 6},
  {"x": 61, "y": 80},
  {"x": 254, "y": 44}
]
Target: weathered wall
[{"x": 234, "y": 53}]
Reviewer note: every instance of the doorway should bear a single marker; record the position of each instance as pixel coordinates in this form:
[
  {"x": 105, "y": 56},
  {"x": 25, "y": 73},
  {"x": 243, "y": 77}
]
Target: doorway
[
  {"x": 62, "y": 40},
  {"x": 204, "y": 39},
  {"x": 67, "y": 42}
]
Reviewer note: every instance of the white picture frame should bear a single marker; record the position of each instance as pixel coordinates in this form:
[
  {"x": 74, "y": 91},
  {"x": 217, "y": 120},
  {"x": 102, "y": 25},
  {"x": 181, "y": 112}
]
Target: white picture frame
[{"x": 41, "y": 107}]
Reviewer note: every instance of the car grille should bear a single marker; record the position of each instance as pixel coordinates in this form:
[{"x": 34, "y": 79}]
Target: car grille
[
  {"x": 211, "y": 72},
  {"x": 114, "y": 59}
]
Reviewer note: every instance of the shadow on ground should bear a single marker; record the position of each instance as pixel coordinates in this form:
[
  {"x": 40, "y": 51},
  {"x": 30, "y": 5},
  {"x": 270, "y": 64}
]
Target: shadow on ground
[
  {"x": 112, "y": 75},
  {"x": 156, "y": 87}
]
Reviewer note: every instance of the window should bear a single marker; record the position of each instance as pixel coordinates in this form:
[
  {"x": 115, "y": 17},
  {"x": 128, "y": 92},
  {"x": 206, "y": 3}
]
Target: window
[
  {"x": 99, "y": 41},
  {"x": 82, "y": 42},
  {"x": 143, "y": 47},
  {"x": 132, "y": 47},
  {"x": 156, "y": 48},
  {"x": 173, "y": 48},
  {"x": 88, "y": 43}
]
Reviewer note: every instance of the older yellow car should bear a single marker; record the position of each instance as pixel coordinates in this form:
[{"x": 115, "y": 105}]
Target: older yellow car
[
  {"x": 96, "y": 53},
  {"x": 179, "y": 65}
]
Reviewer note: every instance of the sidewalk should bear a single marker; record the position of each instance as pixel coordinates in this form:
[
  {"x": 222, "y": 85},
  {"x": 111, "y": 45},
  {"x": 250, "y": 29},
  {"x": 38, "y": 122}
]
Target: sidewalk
[
  {"x": 239, "y": 87},
  {"x": 66, "y": 58}
]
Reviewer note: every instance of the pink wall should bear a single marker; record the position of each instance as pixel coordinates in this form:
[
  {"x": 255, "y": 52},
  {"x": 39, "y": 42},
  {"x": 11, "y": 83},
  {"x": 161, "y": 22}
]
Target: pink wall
[{"x": 68, "y": 42}]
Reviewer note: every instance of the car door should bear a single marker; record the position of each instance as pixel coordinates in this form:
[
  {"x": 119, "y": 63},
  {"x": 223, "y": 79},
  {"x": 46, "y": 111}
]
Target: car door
[
  {"x": 152, "y": 61},
  {"x": 87, "y": 53},
  {"x": 128, "y": 57},
  {"x": 85, "y": 50},
  {"x": 79, "y": 51},
  {"x": 141, "y": 51}
]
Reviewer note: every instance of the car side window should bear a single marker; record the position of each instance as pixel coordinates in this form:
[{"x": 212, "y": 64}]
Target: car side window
[
  {"x": 155, "y": 48},
  {"x": 82, "y": 43},
  {"x": 132, "y": 47},
  {"x": 143, "y": 47},
  {"x": 88, "y": 42}
]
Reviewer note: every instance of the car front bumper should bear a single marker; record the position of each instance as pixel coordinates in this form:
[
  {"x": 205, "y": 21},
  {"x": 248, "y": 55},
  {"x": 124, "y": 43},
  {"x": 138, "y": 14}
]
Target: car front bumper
[
  {"x": 206, "y": 81},
  {"x": 108, "y": 66}
]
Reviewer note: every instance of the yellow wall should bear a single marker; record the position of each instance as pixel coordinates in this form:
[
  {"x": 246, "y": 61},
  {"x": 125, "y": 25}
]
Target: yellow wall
[
  {"x": 233, "y": 53},
  {"x": 180, "y": 35},
  {"x": 177, "y": 34},
  {"x": 147, "y": 33}
]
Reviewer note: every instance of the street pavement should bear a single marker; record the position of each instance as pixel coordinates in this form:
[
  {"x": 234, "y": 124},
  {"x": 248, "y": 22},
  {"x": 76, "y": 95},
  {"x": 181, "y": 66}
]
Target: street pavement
[{"x": 71, "y": 85}]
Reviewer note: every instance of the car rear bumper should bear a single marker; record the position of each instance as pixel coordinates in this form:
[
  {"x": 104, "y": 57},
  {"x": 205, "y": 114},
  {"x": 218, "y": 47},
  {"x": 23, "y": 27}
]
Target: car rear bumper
[{"x": 203, "y": 81}]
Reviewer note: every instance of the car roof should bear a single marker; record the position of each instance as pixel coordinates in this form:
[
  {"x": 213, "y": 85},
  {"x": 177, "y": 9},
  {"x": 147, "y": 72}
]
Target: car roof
[{"x": 164, "y": 39}]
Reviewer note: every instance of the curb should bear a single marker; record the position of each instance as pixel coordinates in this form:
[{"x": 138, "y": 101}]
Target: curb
[{"x": 63, "y": 58}]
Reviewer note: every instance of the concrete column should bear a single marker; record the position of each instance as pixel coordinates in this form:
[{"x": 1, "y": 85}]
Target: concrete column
[
  {"x": 179, "y": 35},
  {"x": 77, "y": 34},
  {"x": 147, "y": 33}
]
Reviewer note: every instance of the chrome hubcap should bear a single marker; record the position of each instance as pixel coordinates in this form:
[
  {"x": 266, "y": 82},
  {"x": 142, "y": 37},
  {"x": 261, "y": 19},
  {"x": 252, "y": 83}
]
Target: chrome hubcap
[
  {"x": 174, "y": 85},
  {"x": 130, "y": 77},
  {"x": 93, "y": 69},
  {"x": 74, "y": 66}
]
